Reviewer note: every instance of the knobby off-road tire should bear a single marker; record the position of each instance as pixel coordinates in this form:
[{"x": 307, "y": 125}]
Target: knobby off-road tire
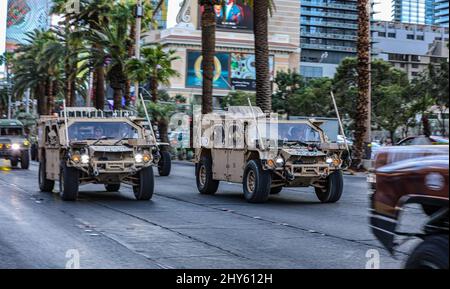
[
  {"x": 45, "y": 185},
  {"x": 69, "y": 182},
  {"x": 143, "y": 190},
  {"x": 25, "y": 160},
  {"x": 333, "y": 188},
  {"x": 256, "y": 183},
  {"x": 204, "y": 176},
  {"x": 165, "y": 164}
]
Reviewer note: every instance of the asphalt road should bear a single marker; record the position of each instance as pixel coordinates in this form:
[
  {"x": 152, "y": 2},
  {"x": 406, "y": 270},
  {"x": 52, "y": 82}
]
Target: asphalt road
[{"x": 180, "y": 228}]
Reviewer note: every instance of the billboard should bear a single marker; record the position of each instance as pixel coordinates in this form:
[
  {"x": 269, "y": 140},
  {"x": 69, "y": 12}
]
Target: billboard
[
  {"x": 24, "y": 16},
  {"x": 194, "y": 76},
  {"x": 233, "y": 15},
  {"x": 243, "y": 71}
]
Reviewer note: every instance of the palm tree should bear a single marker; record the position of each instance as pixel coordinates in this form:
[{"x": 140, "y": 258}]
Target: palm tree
[
  {"x": 155, "y": 67},
  {"x": 35, "y": 71},
  {"x": 96, "y": 15},
  {"x": 362, "y": 121},
  {"x": 261, "y": 13},
  {"x": 208, "y": 23}
]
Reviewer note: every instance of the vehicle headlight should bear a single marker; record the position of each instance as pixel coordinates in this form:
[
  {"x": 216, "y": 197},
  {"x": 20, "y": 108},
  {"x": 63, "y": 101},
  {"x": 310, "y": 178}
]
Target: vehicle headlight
[
  {"x": 138, "y": 158},
  {"x": 85, "y": 158},
  {"x": 329, "y": 161},
  {"x": 147, "y": 157},
  {"x": 15, "y": 146},
  {"x": 279, "y": 162},
  {"x": 76, "y": 158},
  {"x": 26, "y": 143}
]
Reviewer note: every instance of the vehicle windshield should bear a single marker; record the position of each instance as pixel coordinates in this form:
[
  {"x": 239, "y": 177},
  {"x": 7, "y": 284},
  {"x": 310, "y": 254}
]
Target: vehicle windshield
[
  {"x": 80, "y": 131},
  {"x": 11, "y": 131},
  {"x": 297, "y": 132}
]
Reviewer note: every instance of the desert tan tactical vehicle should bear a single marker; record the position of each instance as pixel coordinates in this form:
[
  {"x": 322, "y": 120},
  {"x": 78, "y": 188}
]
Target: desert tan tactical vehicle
[
  {"x": 85, "y": 145},
  {"x": 265, "y": 155},
  {"x": 14, "y": 145}
]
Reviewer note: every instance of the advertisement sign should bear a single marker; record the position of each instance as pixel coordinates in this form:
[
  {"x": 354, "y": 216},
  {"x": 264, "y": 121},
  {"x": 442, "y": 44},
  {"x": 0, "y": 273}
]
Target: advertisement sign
[
  {"x": 234, "y": 15},
  {"x": 194, "y": 77},
  {"x": 24, "y": 16},
  {"x": 243, "y": 71}
]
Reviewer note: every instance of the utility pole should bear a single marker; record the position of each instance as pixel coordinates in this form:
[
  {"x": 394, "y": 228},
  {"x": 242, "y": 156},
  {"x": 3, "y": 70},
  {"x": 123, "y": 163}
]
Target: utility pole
[{"x": 139, "y": 13}]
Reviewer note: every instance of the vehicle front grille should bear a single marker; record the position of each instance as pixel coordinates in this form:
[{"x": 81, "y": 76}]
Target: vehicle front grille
[
  {"x": 112, "y": 157},
  {"x": 306, "y": 161}
]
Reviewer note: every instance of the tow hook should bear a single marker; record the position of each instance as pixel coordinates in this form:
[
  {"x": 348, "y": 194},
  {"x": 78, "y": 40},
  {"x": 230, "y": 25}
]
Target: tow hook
[{"x": 96, "y": 173}]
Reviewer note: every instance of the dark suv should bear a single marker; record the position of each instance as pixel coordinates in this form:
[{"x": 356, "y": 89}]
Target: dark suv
[{"x": 14, "y": 146}]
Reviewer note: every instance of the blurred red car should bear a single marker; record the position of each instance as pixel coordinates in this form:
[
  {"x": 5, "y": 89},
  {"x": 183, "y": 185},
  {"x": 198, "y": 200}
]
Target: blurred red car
[{"x": 412, "y": 175}]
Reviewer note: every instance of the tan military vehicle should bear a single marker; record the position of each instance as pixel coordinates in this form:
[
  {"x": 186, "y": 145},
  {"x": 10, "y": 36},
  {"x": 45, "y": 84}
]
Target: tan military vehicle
[
  {"x": 85, "y": 145},
  {"x": 265, "y": 155},
  {"x": 14, "y": 145}
]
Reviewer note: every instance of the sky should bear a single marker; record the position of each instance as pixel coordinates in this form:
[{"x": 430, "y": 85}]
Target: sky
[{"x": 384, "y": 7}]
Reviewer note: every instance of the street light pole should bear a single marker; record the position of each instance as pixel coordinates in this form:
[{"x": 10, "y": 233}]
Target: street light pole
[{"x": 139, "y": 13}]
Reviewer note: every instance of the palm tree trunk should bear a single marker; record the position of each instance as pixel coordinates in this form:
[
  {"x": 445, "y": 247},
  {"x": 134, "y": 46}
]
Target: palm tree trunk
[
  {"x": 41, "y": 96},
  {"x": 163, "y": 128},
  {"x": 100, "y": 88},
  {"x": 117, "y": 98},
  {"x": 362, "y": 121},
  {"x": 154, "y": 89},
  {"x": 261, "y": 31},
  {"x": 208, "y": 54},
  {"x": 131, "y": 48},
  {"x": 50, "y": 97}
]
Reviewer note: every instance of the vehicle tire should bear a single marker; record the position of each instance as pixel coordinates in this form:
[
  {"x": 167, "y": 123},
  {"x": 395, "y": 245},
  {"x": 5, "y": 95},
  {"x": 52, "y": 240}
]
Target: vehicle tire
[
  {"x": 206, "y": 184},
  {"x": 256, "y": 183},
  {"x": 69, "y": 181},
  {"x": 34, "y": 152},
  {"x": 112, "y": 187},
  {"x": 45, "y": 185},
  {"x": 143, "y": 191},
  {"x": 276, "y": 191},
  {"x": 165, "y": 164},
  {"x": 432, "y": 253},
  {"x": 25, "y": 160},
  {"x": 334, "y": 187},
  {"x": 14, "y": 162}
]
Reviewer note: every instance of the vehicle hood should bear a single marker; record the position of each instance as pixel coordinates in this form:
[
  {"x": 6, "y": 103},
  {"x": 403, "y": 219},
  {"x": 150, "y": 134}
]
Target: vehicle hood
[
  {"x": 12, "y": 139},
  {"x": 110, "y": 149}
]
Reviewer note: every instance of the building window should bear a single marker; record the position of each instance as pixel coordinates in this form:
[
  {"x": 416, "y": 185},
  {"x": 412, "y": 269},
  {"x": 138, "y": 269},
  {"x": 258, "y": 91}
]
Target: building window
[
  {"x": 415, "y": 58},
  {"x": 415, "y": 65},
  {"x": 410, "y": 36},
  {"x": 382, "y": 34},
  {"x": 392, "y": 35},
  {"x": 398, "y": 57},
  {"x": 311, "y": 71},
  {"x": 414, "y": 74},
  {"x": 420, "y": 37}
]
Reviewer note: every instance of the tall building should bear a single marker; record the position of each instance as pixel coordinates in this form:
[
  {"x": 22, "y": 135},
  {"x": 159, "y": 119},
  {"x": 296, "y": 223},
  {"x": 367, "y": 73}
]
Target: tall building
[
  {"x": 235, "y": 58},
  {"x": 328, "y": 35},
  {"x": 410, "y": 47},
  {"x": 440, "y": 15},
  {"x": 413, "y": 11}
]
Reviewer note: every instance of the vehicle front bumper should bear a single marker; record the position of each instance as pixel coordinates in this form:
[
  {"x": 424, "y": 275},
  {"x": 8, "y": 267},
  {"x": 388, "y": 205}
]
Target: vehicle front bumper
[
  {"x": 8, "y": 153},
  {"x": 97, "y": 168}
]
